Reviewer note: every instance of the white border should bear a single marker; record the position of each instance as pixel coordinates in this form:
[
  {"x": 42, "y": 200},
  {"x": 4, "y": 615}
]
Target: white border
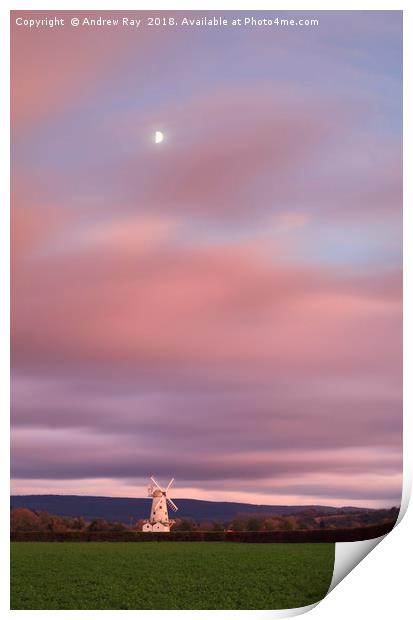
[{"x": 4, "y": 301}]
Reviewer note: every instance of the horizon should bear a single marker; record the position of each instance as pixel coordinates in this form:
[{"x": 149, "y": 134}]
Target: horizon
[
  {"x": 224, "y": 303},
  {"x": 204, "y": 500},
  {"x": 178, "y": 498}
]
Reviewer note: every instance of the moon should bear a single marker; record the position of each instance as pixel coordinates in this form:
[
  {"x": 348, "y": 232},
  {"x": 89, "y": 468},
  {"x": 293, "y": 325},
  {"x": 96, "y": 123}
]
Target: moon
[{"x": 159, "y": 137}]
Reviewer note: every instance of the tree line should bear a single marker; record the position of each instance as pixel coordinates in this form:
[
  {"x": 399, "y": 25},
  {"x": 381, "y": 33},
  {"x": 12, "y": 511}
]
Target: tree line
[{"x": 27, "y": 520}]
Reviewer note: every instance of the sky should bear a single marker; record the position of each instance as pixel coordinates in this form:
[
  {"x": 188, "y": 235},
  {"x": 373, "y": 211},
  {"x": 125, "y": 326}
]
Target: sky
[{"x": 223, "y": 307}]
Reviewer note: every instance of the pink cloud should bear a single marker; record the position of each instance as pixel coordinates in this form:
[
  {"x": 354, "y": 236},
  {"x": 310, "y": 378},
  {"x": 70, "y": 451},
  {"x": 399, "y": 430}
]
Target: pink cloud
[
  {"x": 142, "y": 301},
  {"x": 65, "y": 66},
  {"x": 218, "y": 142},
  {"x": 178, "y": 288}
]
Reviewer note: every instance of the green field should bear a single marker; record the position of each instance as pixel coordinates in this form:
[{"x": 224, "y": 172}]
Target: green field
[{"x": 168, "y": 575}]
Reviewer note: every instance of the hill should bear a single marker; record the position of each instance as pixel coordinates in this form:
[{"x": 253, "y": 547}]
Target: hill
[{"x": 127, "y": 509}]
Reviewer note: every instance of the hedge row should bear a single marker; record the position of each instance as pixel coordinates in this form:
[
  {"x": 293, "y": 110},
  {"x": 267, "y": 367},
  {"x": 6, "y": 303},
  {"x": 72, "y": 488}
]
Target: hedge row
[
  {"x": 304, "y": 536},
  {"x": 285, "y": 536},
  {"x": 110, "y": 536}
]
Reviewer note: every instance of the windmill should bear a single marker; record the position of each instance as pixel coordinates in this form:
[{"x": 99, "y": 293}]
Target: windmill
[{"x": 159, "y": 520}]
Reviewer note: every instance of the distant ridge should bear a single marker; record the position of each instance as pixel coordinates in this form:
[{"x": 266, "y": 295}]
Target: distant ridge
[{"x": 127, "y": 509}]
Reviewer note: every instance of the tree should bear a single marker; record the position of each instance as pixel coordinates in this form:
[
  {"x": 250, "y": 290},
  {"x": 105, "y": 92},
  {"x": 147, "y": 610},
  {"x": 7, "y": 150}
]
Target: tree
[
  {"x": 287, "y": 523},
  {"x": 206, "y": 526},
  {"x": 97, "y": 525},
  {"x": 117, "y": 527},
  {"x": 184, "y": 525},
  {"x": 137, "y": 527},
  {"x": 217, "y": 526},
  {"x": 238, "y": 525},
  {"x": 78, "y": 523},
  {"x": 254, "y": 524},
  {"x": 57, "y": 524},
  {"x": 24, "y": 520}
]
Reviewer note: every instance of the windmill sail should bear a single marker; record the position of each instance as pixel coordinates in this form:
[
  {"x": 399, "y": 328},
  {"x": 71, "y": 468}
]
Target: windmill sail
[{"x": 159, "y": 520}]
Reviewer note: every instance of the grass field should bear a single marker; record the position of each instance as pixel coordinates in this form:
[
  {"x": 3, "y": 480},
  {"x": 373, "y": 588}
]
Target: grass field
[{"x": 168, "y": 575}]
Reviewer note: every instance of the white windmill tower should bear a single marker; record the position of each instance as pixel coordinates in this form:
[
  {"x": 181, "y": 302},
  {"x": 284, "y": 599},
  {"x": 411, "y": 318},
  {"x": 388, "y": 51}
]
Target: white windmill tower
[{"x": 159, "y": 520}]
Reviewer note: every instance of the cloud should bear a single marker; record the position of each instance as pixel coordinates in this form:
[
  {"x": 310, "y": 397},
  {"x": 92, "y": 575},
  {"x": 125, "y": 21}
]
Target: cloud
[
  {"x": 127, "y": 456},
  {"x": 228, "y": 303},
  {"x": 165, "y": 304},
  {"x": 65, "y": 68},
  {"x": 215, "y": 359}
]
